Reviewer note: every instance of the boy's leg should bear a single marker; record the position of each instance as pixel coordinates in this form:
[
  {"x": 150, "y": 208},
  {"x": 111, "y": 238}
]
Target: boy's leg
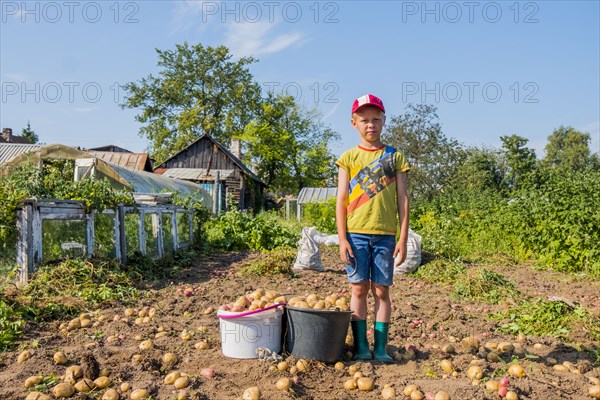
[
  {"x": 383, "y": 307},
  {"x": 358, "y": 277},
  {"x": 358, "y": 305},
  {"x": 382, "y": 278}
]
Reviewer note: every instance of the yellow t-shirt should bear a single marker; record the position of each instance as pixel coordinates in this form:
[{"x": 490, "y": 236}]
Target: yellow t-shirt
[{"x": 372, "y": 207}]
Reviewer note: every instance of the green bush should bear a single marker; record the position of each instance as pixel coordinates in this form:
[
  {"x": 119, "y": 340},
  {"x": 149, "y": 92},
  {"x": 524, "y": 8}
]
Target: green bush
[
  {"x": 236, "y": 230},
  {"x": 321, "y": 216}
]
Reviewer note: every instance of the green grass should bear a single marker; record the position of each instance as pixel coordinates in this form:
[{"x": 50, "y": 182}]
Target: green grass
[{"x": 552, "y": 318}]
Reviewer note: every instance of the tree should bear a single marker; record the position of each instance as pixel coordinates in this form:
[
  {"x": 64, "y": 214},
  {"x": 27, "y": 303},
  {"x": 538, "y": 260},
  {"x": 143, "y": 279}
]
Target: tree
[
  {"x": 480, "y": 170},
  {"x": 520, "y": 160},
  {"x": 568, "y": 150},
  {"x": 288, "y": 146},
  {"x": 30, "y": 134},
  {"x": 198, "y": 90},
  {"x": 431, "y": 155}
]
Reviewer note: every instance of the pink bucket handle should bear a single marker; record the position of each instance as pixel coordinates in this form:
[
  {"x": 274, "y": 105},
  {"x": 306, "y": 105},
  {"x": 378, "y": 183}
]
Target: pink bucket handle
[{"x": 243, "y": 314}]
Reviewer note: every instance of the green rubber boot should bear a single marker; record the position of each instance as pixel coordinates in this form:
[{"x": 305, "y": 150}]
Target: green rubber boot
[
  {"x": 381, "y": 339},
  {"x": 361, "y": 345}
]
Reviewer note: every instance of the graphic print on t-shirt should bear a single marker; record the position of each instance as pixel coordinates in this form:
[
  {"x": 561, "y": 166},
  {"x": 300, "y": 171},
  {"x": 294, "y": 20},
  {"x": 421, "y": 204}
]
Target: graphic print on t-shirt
[{"x": 372, "y": 179}]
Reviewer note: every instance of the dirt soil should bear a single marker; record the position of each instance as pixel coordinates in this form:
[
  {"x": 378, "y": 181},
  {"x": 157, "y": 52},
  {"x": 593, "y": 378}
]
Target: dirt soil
[{"x": 424, "y": 315}]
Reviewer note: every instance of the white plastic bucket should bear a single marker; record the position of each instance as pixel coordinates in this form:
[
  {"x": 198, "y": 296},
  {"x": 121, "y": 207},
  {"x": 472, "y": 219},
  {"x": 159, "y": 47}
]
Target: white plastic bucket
[{"x": 241, "y": 336}]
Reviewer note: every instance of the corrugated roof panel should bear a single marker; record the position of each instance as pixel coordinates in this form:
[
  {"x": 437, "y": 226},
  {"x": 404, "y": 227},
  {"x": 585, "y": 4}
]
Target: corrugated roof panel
[
  {"x": 196, "y": 174},
  {"x": 316, "y": 195},
  {"x": 8, "y": 151}
]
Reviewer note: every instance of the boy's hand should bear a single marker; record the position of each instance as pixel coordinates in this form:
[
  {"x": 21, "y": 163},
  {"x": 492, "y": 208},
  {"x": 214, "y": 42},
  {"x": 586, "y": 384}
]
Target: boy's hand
[
  {"x": 345, "y": 250},
  {"x": 400, "y": 249}
]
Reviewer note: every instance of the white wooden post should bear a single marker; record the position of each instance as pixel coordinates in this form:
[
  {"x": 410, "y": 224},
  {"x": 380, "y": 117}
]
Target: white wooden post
[
  {"x": 174, "y": 230},
  {"x": 89, "y": 233},
  {"x": 157, "y": 231},
  {"x": 142, "y": 231}
]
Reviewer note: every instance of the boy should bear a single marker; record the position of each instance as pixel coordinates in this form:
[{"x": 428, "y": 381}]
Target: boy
[{"x": 371, "y": 195}]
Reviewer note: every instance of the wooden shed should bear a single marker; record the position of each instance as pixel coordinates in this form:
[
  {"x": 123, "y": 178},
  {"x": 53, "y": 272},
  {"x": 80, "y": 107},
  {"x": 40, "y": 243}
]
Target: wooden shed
[{"x": 220, "y": 172}]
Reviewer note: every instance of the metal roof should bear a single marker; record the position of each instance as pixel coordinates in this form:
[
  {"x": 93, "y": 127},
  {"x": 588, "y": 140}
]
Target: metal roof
[
  {"x": 316, "y": 195},
  {"x": 136, "y": 161},
  {"x": 197, "y": 174},
  {"x": 8, "y": 151},
  {"x": 149, "y": 182}
]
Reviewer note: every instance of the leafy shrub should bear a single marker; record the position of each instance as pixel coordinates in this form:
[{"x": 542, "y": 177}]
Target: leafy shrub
[
  {"x": 321, "y": 216},
  {"x": 11, "y": 325},
  {"x": 236, "y": 230},
  {"x": 273, "y": 262}
]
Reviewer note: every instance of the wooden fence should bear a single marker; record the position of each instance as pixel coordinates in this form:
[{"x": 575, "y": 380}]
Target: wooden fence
[{"x": 171, "y": 228}]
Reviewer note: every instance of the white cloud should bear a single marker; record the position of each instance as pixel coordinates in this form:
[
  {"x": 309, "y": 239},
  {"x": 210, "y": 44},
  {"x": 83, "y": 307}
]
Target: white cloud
[{"x": 255, "y": 39}]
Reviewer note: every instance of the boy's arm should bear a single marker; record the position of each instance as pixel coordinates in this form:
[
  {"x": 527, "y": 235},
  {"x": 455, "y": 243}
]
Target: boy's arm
[
  {"x": 341, "y": 205},
  {"x": 403, "y": 209}
]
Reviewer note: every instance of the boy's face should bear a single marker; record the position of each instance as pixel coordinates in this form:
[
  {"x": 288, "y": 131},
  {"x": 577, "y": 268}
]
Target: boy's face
[{"x": 369, "y": 121}]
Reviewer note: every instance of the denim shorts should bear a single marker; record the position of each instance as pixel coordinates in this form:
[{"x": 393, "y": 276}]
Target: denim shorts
[{"x": 373, "y": 258}]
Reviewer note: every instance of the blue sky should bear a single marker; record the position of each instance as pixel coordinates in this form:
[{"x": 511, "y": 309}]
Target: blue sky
[{"x": 491, "y": 68}]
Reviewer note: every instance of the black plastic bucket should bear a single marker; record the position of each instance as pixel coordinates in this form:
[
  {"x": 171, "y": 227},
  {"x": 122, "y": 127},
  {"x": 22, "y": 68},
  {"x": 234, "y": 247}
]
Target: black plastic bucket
[{"x": 318, "y": 334}]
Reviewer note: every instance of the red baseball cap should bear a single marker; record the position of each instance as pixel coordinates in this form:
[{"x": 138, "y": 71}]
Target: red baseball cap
[{"x": 367, "y": 100}]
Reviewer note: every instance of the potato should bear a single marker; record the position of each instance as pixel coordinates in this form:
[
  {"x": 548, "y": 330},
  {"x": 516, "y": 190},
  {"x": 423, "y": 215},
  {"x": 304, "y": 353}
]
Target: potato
[
  {"x": 339, "y": 366},
  {"x": 517, "y": 371},
  {"x": 172, "y": 377},
  {"x": 102, "y": 382},
  {"x": 447, "y": 366},
  {"x": 186, "y": 335},
  {"x": 202, "y": 345},
  {"x": 169, "y": 358},
  {"x": 282, "y": 366},
  {"x": 388, "y": 392},
  {"x": 110, "y": 394},
  {"x": 416, "y": 395},
  {"x": 139, "y": 394},
  {"x": 350, "y": 384},
  {"x": 85, "y": 385},
  {"x": 252, "y": 393},
  {"x": 302, "y": 365},
  {"x": 352, "y": 369},
  {"x": 560, "y": 368},
  {"x": 475, "y": 372},
  {"x": 594, "y": 392},
  {"x": 37, "y": 396},
  {"x": 181, "y": 382},
  {"x": 33, "y": 380},
  {"x": 24, "y": 356},
  {"x": 283, "y": 384},
  {"x": 125, "y": 387},
  {"x": 73, "y": 373},
  {"x": 492, "y": 386},
  {"x": 448, "y": 348},
  {"x": 365, "y": 384},
  {"x": 441, "y": 395},
  {"x": 357, "y": 375},
  {"x": 63, "y": 390},
  {"x": 510, "y": 395},
  {"x": 470, "y": 344},
  {"x": 146, "y": 345},
  {"x": 207, "y": 372},
  {"x": 409, "y": 389},
  {"x": 137, "y": 358},
  {"x": 505, "y": 347},
  {"x": 60, "y": 358}
]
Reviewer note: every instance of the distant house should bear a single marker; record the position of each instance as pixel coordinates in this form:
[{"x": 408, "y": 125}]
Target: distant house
[
  {"x": 208, "y": 163},
  {"x": 8, "y": 137},
  {"x": 111, "y": 148}
]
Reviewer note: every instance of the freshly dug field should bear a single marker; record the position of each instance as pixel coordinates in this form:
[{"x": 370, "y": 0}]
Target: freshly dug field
[{"x": 178, "y": 316}]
